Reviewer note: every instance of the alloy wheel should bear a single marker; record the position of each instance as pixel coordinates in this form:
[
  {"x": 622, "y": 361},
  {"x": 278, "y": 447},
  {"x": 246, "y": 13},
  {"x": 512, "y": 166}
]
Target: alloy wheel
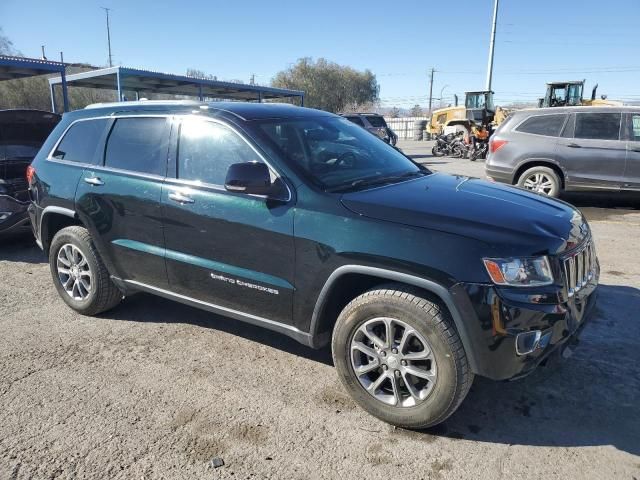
[
  {"x": 74, "y": 272},
  {"x": 539, "y": 182},
  {"x": 393, "y": 362}
]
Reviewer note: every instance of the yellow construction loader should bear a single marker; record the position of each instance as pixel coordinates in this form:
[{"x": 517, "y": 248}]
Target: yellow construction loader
[{"x": 570, "y": 94}]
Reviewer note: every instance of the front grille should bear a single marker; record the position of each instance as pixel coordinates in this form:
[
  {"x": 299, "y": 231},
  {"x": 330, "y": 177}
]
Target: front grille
[{"x": 580, "y": 268}]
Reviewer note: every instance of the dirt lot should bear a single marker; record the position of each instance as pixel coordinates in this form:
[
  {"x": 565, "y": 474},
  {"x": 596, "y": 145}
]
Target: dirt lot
[{"x": 154, "y": 389}]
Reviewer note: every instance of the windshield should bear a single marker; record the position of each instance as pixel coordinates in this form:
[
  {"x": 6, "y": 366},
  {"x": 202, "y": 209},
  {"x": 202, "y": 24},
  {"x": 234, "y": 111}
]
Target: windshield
[{"x": 335, "y": 154}]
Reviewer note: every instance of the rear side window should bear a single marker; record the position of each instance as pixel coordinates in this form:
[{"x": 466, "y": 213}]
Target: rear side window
[
  {"x": 138, "y": 145},
  {"x": 598, "y": 126},
  {"x": 376, "y": 121},
  {"x": 206, "y": 151},
  {"x": 548, "y": 125},
  {"x": 635, "y": 127},
  {"x": 356, "y": 120},
  {"x": 81, "y": 141}
]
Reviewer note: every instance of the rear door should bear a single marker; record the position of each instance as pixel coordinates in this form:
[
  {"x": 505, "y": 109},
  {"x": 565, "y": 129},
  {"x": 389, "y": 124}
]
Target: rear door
[
  {"x": 119, "y": 199},
  {"x": 592, "y": 151},
  {"x": 632, "y": 172}
]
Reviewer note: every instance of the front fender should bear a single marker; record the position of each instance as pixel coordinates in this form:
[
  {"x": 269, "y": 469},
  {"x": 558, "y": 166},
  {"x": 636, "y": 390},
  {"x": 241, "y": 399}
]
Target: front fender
[{"x": 451, "y": 298}]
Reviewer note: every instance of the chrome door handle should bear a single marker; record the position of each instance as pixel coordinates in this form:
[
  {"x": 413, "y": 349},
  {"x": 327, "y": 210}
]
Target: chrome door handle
[
  {"x": 180, "y": 197},
  {"x": 94, "y": 181}
]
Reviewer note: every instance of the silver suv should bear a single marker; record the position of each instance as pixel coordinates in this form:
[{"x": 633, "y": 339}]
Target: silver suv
[{"x": 548, "y": 150}]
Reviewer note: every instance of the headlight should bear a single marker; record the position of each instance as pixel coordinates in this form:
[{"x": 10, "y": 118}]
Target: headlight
[{"x": 519, "y": 272}]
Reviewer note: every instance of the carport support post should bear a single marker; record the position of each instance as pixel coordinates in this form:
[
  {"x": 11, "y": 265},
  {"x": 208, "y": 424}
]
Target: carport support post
[
  {"x": 63, "y": 78},
  {"x": 302, "y": 100},
  {"x": 259, "y": 96},
  {"x": 52, "y": 91},
  {"x": 118, "y": 85}
]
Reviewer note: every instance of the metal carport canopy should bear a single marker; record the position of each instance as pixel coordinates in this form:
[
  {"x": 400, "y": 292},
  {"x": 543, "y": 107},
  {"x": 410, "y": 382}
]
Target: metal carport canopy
[
  {"x": 135, "y": 80},
  {"x": 12, "y": 68}
]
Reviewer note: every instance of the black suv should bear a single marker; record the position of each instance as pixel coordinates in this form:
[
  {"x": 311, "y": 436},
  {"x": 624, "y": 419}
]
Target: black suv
[
  {"x": 375, "y": 124},
  {"x": 301, "y": 222},
  {"x": 22, "y": 133}
]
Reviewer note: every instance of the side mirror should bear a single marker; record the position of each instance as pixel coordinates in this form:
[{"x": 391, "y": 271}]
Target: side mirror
[{"x": 252, "y": 178}]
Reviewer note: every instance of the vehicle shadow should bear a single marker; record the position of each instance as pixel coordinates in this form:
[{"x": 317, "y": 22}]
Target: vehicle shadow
[
  {"x": 143, "y": 307},
  {"x": 626, "y": 200},
  {"x": 589, "y": 399},
  {"x": 20, "y": 248}
]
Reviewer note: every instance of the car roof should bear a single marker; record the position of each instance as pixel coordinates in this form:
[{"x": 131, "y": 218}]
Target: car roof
[
  {"x": 582, "y": 108},
  {"x": 359, "y": 114},
  {"x": 243, "y": 110}
]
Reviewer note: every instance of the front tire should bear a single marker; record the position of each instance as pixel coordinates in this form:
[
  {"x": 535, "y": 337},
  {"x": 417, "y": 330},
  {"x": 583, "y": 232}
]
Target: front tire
[
  {"x": 79, "y": 274},
  {"x": 543, "y": 180},
  {"x": 400, "y": 358}
]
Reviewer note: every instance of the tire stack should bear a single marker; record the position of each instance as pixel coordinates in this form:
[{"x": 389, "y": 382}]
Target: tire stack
[{"x": 418, "y": 129}]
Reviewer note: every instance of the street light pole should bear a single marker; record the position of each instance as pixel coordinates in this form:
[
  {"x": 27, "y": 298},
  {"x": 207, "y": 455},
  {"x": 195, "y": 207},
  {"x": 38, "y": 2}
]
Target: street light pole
[
  {"x": 491, "y": 46},
  {"x": 442, "y": 90},
  {"x": 431, "y": 89},
  {"x": 108, "y": 35}
]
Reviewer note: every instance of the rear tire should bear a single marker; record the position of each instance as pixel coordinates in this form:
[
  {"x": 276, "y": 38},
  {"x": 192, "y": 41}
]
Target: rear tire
[
  {"x": 436, "y": 152},
  {"x": 79, "y": 274},
  {"x": 397, "y": 383},
  {"x": 543, "y": 180}
]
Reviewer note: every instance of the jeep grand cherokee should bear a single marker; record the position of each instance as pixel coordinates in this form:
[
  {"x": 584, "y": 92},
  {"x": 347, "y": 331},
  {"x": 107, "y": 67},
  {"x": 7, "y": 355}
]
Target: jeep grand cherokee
[{"x": 301, "y": 222}]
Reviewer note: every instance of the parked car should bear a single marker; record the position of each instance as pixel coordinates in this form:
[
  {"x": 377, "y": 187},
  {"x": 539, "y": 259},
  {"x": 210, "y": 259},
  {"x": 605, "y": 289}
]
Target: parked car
[
  {"x": 374, "y": 123},
  {"x": 549, "y": 150},
  {"x": 301, "y": 222},
  {"x": 22, "y": 133}
]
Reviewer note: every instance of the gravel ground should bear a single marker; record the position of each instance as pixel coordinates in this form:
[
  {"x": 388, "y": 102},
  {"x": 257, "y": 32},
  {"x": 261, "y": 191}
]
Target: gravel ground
[{"x": 154, "y": 389}]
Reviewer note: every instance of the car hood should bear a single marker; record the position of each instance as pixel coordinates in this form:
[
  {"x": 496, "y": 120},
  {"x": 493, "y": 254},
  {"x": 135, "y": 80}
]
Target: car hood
[{"x": 501, "y": 216}]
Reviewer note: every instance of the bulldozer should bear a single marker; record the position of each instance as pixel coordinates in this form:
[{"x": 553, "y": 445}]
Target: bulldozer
[{"x": 570, "y": 94}]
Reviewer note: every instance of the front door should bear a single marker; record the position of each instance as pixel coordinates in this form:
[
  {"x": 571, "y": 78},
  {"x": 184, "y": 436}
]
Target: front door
[
  {"x": 119, "y": 199},
  {"x": 593, "y": 154},
  {"x": 232, "y": 250},
  {"x": 632, "y": 172}
]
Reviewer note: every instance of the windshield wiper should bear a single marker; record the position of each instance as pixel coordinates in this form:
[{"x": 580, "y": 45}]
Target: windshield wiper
[{"x": 376, "y": 180}]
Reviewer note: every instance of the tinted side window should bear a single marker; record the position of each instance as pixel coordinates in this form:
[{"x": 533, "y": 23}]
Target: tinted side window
[
  {"x": 635, "y": 127},
  {"x": 548, "y": 125},
  {"x": 80, "y": 142},
  {"x": 599, "y": 126},
  {"x": 356, "y": 120},
  {"x": 376, "y": 121},
  {"x": 138, "y": 145},
  {"x": 206, "y": 151}
]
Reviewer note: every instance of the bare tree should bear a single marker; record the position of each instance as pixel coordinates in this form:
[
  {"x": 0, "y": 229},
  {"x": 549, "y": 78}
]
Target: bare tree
[{"x": 416, "y": 111}]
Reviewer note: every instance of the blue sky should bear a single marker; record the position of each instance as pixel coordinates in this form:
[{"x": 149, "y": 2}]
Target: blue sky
[{"x": 538, "y": 41}]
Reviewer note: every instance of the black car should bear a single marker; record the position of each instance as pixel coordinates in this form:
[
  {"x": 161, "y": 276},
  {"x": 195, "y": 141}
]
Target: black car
[
  {"x": 375, "y": 124},
  {"x": 301, "y": 222},
  {"x": 22, "y": 133}
]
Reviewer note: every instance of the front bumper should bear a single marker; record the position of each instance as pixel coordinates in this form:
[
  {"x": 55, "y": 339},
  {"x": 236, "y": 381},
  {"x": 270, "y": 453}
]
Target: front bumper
[
  {"x": 13, "y": 214},
  {"x": 495, "y": 317}
]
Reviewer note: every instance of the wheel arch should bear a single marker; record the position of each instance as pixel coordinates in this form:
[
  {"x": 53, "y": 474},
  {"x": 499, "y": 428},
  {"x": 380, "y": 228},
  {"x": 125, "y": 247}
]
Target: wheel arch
[
  {"x": 539, "y": 162},
  {"x": 52, "y": 220},
  {"x": 334, "y": 297}
]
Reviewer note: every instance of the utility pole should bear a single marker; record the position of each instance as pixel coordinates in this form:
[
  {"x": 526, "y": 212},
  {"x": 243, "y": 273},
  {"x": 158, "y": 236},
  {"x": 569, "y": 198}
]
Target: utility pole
[
  {"x": 108, "y": 35},
  {"x": 44, "y": 57},
  {"x": 431, "y": 89},
  {"x": 492, "y": 45}
]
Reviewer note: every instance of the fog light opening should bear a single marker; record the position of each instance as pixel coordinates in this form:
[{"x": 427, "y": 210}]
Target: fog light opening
[{"x": 528, "y": 342}]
